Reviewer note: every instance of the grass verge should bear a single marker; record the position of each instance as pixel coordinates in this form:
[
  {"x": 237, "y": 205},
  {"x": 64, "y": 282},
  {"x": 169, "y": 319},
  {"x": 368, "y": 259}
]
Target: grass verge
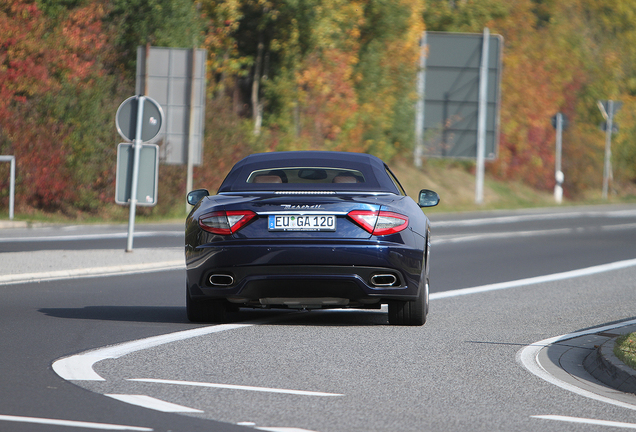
[{"x": 625, "y": 349}]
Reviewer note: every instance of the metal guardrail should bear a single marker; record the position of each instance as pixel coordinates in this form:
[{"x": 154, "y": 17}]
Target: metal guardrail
[{"x": 10, "y": 159}]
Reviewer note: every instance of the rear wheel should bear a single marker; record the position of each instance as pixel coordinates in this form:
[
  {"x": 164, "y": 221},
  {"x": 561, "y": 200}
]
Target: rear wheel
[
  {"x": 410, "y": 313},
  {"x": 206, "y": 310}
]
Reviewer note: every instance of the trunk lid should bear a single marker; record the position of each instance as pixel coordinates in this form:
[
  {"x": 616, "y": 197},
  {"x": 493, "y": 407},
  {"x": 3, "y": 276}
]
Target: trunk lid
[{"x": 312, "y": 216}]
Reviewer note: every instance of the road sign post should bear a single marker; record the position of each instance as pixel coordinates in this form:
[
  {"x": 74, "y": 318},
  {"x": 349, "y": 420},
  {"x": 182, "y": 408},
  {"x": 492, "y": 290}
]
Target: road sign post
[
  {"x": 559, "y": 122},
  {"x": 146, "y": 116},
  {"x": 481, "y": 119},
  {"x": 608, "y": 109}
]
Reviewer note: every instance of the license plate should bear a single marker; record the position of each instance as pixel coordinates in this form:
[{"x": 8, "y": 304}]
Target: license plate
[{"x": 302, "y": 222}]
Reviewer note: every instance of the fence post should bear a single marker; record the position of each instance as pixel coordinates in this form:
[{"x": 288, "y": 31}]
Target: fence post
[{"x": 10, "y": 159}]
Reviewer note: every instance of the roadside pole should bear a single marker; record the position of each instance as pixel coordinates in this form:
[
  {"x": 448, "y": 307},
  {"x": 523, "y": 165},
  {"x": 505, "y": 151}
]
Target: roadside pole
[
  {"x": 558, "y": 122},
  {"x": 133, "y": 188},
  {"x": 481, "y": 119},
  {"x": 419, "y": 107},
  {"x": 11, "y": 160},
  {"x": 607, "y": 166},
  {"x": 190, "y": 162}
]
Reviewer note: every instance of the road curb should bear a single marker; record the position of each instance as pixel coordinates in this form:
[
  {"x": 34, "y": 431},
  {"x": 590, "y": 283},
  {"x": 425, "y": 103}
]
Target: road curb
[
  {"x": 116, "y": 270},
  {"x": 5, "y": 224},
  {"x": 603, "y": 365}
]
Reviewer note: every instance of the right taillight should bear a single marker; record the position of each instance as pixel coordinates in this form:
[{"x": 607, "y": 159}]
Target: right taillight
[
  {"x": 225, "y": 222},
  {"x": 379, "y": 223}
]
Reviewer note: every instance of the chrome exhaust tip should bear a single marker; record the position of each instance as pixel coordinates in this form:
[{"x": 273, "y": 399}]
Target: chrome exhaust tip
[
  {"x": 384, "y": 280},
  {"x": 221, "y": 280}
]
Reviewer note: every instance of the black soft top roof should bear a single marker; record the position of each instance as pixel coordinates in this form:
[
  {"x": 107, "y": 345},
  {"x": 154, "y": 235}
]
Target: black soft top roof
[{"x": 373, "y": 169}]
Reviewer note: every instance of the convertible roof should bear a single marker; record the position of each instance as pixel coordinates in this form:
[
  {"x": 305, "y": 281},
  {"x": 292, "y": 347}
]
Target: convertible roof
[{"x": 373, "y": 169}]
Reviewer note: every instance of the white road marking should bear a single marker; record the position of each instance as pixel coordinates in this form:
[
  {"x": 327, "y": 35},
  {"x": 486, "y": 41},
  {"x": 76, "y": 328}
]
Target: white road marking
[
  {"x": 91, "y": 272},
  {"x": 528, "y": 358},
  {"x": 533, "y": 217},
  {"x": 235, "y": 387},
  {"x": 104, "y": 236},
  {"x": 536, "y": 280},
  {"x": 618, "y": 227},
  {"x": 586, "y": 421},
  {"x": 71, "y": 423},
  {"x": 79, "y": 367},
  {"x": 282, "y": 429},
  {"x": 153, "y": 403},
  {"x": 453, "y": 238}
]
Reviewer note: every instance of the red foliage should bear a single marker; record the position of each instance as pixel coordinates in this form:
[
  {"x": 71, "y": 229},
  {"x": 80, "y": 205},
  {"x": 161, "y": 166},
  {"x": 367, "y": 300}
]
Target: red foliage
[{"x": 37, "y": 59}]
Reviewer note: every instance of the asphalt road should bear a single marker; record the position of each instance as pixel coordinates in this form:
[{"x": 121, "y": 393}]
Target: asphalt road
[{"x": 321, "y": 370}]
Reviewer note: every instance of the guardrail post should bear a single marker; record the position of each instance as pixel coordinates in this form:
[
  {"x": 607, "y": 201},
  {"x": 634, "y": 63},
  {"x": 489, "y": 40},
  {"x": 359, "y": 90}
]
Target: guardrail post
[{"x": 10, "y": 159}]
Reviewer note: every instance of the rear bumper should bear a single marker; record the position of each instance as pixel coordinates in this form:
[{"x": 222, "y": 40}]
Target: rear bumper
[{"x": 260, "y": 273}]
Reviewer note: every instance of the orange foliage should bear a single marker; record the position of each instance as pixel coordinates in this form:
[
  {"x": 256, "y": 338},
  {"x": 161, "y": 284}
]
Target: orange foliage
[
  {"x": 328, "y": 98},
  {"x": 538, "y": 81}
]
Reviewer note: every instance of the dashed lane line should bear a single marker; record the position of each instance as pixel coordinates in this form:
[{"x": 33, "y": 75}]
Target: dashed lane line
[{"x": 235, "y": 387}]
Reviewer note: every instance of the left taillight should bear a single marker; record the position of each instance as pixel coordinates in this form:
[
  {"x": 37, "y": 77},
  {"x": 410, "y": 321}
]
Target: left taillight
[
  {"x": 380, "y": 223},
  {"x": 225, "y": 222}
]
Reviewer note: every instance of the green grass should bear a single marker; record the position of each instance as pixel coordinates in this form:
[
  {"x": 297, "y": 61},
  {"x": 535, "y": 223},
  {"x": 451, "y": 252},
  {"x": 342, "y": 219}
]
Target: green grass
[{"x": 625, "y": 349}]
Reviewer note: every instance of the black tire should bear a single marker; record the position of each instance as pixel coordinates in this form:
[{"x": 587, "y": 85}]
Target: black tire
[
  {"x": 414, "y": 312},
  {"x": 409, "y": 313},
  {"x": 205, "y": 310}
]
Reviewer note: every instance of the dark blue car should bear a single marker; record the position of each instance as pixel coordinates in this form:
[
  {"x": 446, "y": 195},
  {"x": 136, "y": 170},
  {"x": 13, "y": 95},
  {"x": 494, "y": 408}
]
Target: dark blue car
[{"x": 308, "y": 230}]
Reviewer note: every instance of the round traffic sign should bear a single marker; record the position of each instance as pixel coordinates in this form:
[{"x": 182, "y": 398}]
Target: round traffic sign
[{"x": 126, "y": 118}]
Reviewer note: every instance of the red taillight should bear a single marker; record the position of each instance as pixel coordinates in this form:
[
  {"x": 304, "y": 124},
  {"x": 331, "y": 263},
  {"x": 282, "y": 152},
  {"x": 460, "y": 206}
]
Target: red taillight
[
  {"x": 225, "y": 222},
  {"x": 379, "y": 223}
]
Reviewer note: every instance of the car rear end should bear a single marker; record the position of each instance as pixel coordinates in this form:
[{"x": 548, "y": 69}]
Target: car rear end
[{"x": 316, "y": 250}]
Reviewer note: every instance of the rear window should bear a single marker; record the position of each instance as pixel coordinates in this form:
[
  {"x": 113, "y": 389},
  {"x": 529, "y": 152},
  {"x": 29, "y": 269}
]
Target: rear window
[{"x": 305, "y": 175}]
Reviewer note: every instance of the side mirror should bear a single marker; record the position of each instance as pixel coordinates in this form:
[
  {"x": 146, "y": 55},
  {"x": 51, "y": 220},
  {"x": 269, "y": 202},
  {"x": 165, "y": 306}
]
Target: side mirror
[
  {"x": 428, "y": 198},
  {"x": 197, "y": 195}
]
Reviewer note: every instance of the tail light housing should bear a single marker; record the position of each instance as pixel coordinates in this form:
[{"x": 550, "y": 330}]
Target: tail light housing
[
  {"x": 225, "y": 222},
  {"x": 379, "y": 223}
]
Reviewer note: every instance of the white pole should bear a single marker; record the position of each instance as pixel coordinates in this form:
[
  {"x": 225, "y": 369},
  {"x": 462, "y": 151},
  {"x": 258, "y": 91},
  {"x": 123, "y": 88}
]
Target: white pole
[
  {"x": 190, "y": 170},
  {"x": 135, "y": 175},
  {"x": 481, "y": 119},
  {"x": 12, "y": 188},
  {"x": 419, "y": 108},
  {"x": 609, "y": 124},
  {"x": 558, "y": 174}
]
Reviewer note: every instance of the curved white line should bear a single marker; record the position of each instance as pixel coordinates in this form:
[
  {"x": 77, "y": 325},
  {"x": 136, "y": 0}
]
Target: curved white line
[
  {"x": 528, "y": 358},
  {"x": 79, "y": 367},
  {"x": 586, "y": 421},
  {"x": 72, "y": 423}
]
